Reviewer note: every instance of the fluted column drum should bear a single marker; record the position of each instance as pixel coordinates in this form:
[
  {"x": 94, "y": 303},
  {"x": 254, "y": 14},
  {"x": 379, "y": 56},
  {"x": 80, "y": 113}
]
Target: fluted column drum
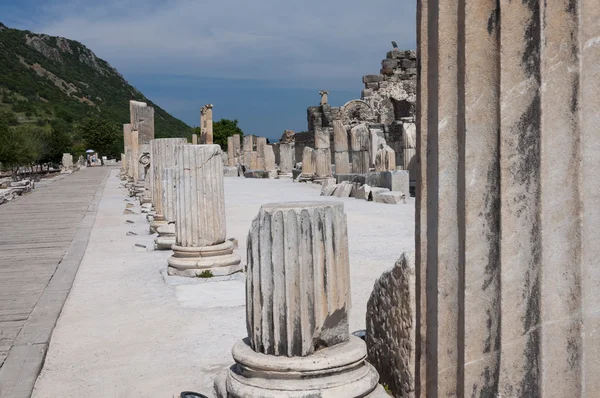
[
  {"x": 287, "y": 157},
  {"x": 298, "y": 290},
  {"x": 200, "y": 214},
  {"x": 360, "y": 141},
  {"x": 340, "y": 146},
  {"x": 308, "y": 161}
]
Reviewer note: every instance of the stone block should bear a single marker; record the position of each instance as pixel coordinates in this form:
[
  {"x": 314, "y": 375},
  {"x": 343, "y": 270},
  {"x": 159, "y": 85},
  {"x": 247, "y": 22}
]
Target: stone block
[
  {"x": 372, "y": 78},
  {"x": 392, "y": 198},
  {"x": 229, "y": 171},
  {"x": 363, "y": 192},
  {"x": 257, "y": 174},
  {"x": 343, "y": 190},
  {"x": 328, "y": 190},
  {"x": 391, "y": 320},
  {"x": 409, "y": 63},
  {"x": 373, "y": 86},
  {"x": 367, "y": 92},
  {"x": 395, "y": 54},
  {"x": 358, "y": 178},
  {"x": 376, "y": 191},
  {"x": 396, "y": 180},
  {"x": 375, "y": 179}
]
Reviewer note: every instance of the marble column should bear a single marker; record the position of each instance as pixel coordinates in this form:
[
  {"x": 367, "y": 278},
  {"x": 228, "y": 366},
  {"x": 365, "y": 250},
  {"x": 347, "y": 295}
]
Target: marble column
[
  {"x": 66, "y": 164},
  {"x": 508, "y": 199},
  {"x": 237, "y": 147},
  {"x": 297, "y": 304},
  {"x": 231, "y": 159},
  {"x": 308, "y": 162},
  {"x": 287, "y": 158},
  {"x": 135, "y": 156},
  {"x": 270, "y": 165},
  {"x": 202, "y": 124},
  {"x": 322, "y": 153},
  {"x": 163, "y": 156},
  {"x": 208, "y": 121},
  {"x": 194, "y": 139},
  {"x": 261, "y": 143},
  {"x": 166, "y": 231},
  {"x": 201, "y": 246},
  {"x": 248, "y": 148},
  {"x": 359, "y": 142},
  {"x": 127, "y": 150},
  {"x": 385, "y": 158},
  {"x": 340, "y": 146}
]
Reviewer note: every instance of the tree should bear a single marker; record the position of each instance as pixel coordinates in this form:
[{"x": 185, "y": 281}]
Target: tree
[
  {"x": 223, "y": 129},
  {"x": 101, "y": 136},
  {"x": 57, "y": 142}
]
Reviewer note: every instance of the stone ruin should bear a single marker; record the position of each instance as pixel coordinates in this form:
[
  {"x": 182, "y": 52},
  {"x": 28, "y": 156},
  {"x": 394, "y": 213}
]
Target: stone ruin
[
  {"x": 254, "y": 159},
  {"x": 386, "y": 109},
  {"x": 299, "y": 344}
]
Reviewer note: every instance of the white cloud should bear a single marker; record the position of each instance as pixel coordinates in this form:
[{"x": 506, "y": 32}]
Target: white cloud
[{"x": 303, "y": 41}]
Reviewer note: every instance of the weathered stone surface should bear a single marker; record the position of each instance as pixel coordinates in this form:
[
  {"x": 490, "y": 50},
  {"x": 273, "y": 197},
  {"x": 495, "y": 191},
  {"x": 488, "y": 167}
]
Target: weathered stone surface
[
  {"x": 376, "y": 191},
  {"x": 163, "y": 157},
  {"x": 372, "y": 78},
  {"x": 294, "y": 242},
  {"x": 67, "y": 163},
  {"x": 341, "y": 155},
  {"x": 377, "y": 139},
  {"x": 257, "y": 174},
  {"x": 287, "y": 157},
  {"x": 323, "y": 163},
  {"x": 230, "y": 171},
  {"x": 506, "y": 198},
  {"x": 254, "y": 161},
  {"x": 327, "y": 186},
  {"x": 201, "y": 243},
  {"x": 237, "y": 147},
  {"x": 322, "y": 139},
  {"x": 397, "y": 180},
  {"x": 363, "y": 192},
  {"x": 391, "y": 322},
  {"x": 270, "y": 165},
  {"x": 194, "y": 139},
  {"x": 343, "y": 190},
  {"x": 308, "y": 162},
  {"x": 385, "y": 159},
  {"x": 389, "y": 197},
  {"x": 231, "y": 158},
  {"x": 359, "y": 142}
]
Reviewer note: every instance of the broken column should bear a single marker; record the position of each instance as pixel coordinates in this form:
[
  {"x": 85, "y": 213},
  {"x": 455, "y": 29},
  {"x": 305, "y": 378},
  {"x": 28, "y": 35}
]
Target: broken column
[
  {"x": 201, "y": 246},
  {"x": 322, "y": 153},
  {"x": 163, "y": 156},
  {"x": 231, "y": 159},
  {"x": 261, "y": 143},
  {"x": 287, "y": 158},
  {"x": 508, "y": 199},
  {"x": 297, "y": 303},
  {"x": 270, "y": 166},
  {"x": 127, "y": 150},
  {"x": 385, "y": 159},
  {"x": 359, "y": 142},
  {"x": 340, "y": 146},
  {"x": 237, "y": 148},
  {"x": 206, "y": 123},
  {"x": 194, "y": 139},
  {"x": 308, "y": 162},
  {"x": 409, "y": 142},
  {"x": 248, "y": 149}
]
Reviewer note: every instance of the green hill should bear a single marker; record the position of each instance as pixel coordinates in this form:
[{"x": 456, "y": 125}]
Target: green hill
[{"x": 56, "y": 83}]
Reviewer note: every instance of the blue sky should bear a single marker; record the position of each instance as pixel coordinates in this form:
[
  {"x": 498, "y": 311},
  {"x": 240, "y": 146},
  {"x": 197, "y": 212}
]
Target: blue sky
[{"x": 261, "y": 62}]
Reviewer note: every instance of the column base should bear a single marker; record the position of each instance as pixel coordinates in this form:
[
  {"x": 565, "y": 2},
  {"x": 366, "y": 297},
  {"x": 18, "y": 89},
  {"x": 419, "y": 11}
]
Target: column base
[
  {"x": 158, "y": 222},
  {"x": 339, "y": 371},
  {"x": 166, "y": 237},
  {"x": 219, "y": 260}
]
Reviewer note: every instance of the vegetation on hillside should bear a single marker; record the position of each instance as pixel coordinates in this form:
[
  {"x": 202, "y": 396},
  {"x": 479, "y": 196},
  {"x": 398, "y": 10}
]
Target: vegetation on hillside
[
  {"x": 51, "y": 89},
  {"x": 223, "y": 129}
]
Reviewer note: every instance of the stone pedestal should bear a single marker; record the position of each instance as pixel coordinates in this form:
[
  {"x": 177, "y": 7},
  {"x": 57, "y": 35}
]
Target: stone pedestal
[
  {"x": 308, "y": 162},
  {"x": 163, "y": 157},
  {"x": 201, "y": 244},
  {"x": 359, "y": 142},
  {"x": 287, "y": 158},
  {"x": 340, "y": 146},
  {"x": 508, "y": 199},
  {"x": 297, "y": 302}
]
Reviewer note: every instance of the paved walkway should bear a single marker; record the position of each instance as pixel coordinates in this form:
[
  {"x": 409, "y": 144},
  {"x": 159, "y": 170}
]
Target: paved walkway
[{"x": 43, "y": 236}]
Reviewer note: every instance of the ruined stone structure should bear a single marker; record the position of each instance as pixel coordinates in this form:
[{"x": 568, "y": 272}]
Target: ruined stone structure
[
  {"x": 201, "y": 244},
  {"x": 340, "y": 144},
  {"x": 287, "y": 158},
  {"x": 66, "y": 164},
  {"x": 142, "y": 132},
  {"x": 261, "y": 143},
  {"x": 386, "y": 105},
  {"x": 322, "y": 153},
  {"x": 308, "y": 162},
  {"x": 163, "y": 156},
  {"x": 299, "y": 343},
  {"x": 508, "y": 199}
]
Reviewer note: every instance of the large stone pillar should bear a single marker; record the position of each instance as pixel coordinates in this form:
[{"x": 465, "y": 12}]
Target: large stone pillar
[
  {"x": 135, "y": 156},
  {"x": 237, "y": 147},
  {"x": 385, "y": 159},
  {"x": 270, "y": 165},
  {"x": 261, "y": 143},
  {"x": 508, "y": 199},
  {"x": 208, "y": 125},
  {"x": 248, "y": 149},
  {"x": 231, "y": 158},
  {"x": 127, "y": 150},
  {"x": 287, "y": 158},
  {"x": 322, "y": 153},
  {"x": 67, "y": 163},
  {"x": 194, "y": 139},
  {"x": 201, "y": 245},
  {"x": 359, "y": 142},
  {"x": 308, "y": 162},
  {"x": 163, "y": 156},
  {"x": 297, "y": 303},
  {"x": 340, "y": 146}
]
